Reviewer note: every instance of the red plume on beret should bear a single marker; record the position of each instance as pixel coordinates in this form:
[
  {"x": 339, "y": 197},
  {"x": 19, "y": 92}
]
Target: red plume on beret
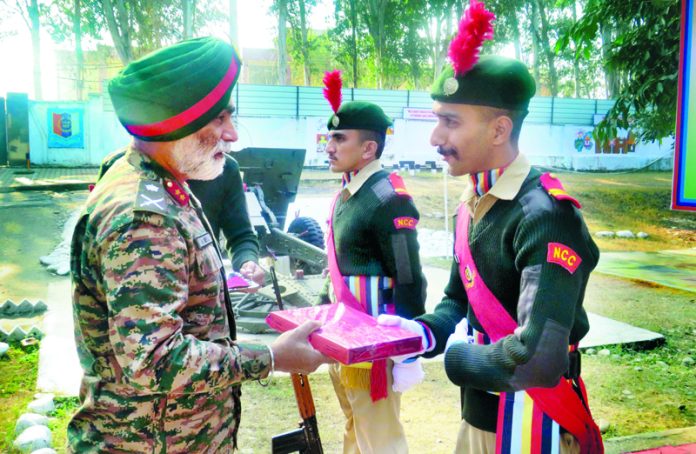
[
  {"x": 332, "y": 90},
  {"x": 475, "y": 27}
]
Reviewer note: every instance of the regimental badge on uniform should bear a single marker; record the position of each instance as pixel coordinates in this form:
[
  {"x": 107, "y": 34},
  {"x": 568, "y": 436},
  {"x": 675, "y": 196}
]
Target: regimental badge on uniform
[
  {"x": 398, "y": 184},
  {"x": 554, "y": 187},
  {"x": 562, "y": 255},
  {"x": 151, "y": 197}
]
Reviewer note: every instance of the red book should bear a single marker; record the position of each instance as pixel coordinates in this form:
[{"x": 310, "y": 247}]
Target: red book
[{"x": 348, "y": 335}]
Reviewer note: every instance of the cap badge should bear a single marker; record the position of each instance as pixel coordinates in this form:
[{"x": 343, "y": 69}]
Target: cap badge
[
  {"x": 335, "y": 121},
  {"x": 450, "y": 86}
]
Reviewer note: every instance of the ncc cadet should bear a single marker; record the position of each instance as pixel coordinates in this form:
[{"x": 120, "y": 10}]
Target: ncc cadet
[
  {"x": 153, "y": 323},
  {"x": 512, "y": 313},
  {"x": 373, "y": 266}
]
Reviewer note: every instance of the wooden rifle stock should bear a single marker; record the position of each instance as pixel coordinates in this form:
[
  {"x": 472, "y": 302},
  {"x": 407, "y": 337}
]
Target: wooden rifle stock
[{"x": 305, "y": 439}]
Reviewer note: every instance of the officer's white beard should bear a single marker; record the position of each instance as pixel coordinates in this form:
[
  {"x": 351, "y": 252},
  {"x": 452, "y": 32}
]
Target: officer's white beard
[{"x": 198, "y": 157}]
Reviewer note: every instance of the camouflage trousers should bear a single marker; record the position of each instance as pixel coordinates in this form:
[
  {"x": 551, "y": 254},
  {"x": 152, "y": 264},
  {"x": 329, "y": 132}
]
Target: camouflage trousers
[{"x": 116, "y": 419}]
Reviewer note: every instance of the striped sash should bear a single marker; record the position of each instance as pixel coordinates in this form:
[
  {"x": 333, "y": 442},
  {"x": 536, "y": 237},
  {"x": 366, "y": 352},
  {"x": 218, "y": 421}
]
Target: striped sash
[
  {"x": 369, "y": 290},
  {"x": 523, "y": 428}
]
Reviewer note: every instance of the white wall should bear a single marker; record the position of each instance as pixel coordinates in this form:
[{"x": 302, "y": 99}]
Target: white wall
[
  {"x": 103, "y": 134},
  {"x": 544, "y": 144}
]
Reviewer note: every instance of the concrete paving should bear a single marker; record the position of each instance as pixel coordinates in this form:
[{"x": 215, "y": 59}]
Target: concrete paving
[{"x": 57, "y": 178}]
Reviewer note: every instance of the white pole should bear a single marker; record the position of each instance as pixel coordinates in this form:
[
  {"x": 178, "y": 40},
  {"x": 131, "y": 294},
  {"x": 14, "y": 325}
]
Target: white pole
[{"x": 445, "y": 171}]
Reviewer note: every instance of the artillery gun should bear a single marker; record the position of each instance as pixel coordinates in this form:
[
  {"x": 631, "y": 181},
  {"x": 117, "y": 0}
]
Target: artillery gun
[{"x": 272, "y": 177}]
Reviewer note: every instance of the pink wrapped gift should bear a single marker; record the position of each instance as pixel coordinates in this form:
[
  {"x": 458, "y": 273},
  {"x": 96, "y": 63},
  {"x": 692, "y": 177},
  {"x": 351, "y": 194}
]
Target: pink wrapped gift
[{"x": 347, "y": 335}]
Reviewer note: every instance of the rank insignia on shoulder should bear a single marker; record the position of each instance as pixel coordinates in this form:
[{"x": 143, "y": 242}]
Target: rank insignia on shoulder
[
  {"x": 554, "y": 187},
  {"x": 562, "y": 255},
  {"x": 398, "y": 184},
  {"x": 405, "y": 222},
  {"x": 151, "y": 197},
  {"x": 177, "y": 192}
]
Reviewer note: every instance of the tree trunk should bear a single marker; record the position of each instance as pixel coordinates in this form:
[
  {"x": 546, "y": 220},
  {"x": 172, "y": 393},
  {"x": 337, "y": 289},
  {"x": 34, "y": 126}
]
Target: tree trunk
[
  {"x": 375, "y": 24},
  {"x": 79, "y": 67},
  {"x": 187, "y": 9},
  {"x": 305, "y": 44},
  {"x": 546, "y": 46},
  {"x": 118, "y": 28},
  {"x": 535, "y": 45},
  {"x": 234, "y": 35},
  {"x": 354, "y": 39},
  {"x": 610, "y": 76},
  {"x": 576, "y": 63},
  {"x": 282, "y": 43},
  {"x": 514, "y": 23},
  {"x": 33, "y": 10}
]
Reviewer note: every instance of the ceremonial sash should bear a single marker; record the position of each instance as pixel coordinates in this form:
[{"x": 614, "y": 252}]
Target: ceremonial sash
[
  {"x": 378, "y": 372},
  {"x": 562, "y": 403}
]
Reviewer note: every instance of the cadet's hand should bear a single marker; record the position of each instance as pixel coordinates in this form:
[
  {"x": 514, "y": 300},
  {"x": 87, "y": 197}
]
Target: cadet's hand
[
  {"x": 293, "y": 353},
  {"x": 460, "y": 334},
  {"x": 407, "y": 375},
  {"x": 427, "y": 339},
  {"x": 253, "y": 271}
]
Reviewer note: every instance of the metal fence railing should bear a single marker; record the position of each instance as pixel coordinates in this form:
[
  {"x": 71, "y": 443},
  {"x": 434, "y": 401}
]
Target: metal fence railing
[{"x": 297, "y": 102}]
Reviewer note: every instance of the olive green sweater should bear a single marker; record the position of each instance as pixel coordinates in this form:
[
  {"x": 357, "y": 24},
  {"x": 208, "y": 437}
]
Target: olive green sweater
[
  {"x": 370, "y": 241},
  {"x": 510, "y": 246}
]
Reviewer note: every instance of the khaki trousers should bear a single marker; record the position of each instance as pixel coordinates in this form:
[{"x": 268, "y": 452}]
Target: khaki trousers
[
  {"x": 476, "y": 441},
  {"x": 371, "y": 427}
]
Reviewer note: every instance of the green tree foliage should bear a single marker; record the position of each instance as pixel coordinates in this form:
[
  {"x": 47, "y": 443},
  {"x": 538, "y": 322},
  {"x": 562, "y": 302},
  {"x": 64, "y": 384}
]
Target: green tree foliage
[{"x": 644, "y": 51}]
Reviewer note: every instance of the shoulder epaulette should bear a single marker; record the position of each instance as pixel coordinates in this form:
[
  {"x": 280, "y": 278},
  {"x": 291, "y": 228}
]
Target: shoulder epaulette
[
  {"x": 398, "y": 184},
  {"x": 151, "y": 197},
  {"x": 554, "y": 187},
  {"x": 177, "y": 192}
]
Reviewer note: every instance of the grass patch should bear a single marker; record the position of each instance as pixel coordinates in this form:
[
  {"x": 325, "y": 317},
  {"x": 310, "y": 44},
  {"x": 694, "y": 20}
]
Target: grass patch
[
  {"x": 65, "y": 408},
  {"x": 429, "y": 413},
  {"x": 651, "y": 390},
  {"x": 18, "y": 372}
]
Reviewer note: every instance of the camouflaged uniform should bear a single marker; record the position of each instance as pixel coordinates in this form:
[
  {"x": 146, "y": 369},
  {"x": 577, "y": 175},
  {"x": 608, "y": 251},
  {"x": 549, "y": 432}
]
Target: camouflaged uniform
[{"x": 162, "y": 371}]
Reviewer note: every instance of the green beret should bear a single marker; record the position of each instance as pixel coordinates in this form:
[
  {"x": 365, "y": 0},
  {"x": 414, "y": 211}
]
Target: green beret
[
  {"x": 360, "y": 115},
  {"x": 175, "y": 91},
  {"x": 493, "y": 81}
]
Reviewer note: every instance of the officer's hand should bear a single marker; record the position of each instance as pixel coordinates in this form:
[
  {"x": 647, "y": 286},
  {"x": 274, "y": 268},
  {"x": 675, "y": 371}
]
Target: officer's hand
[
  {"x": 252, "y": 271},
  {"x": 407, "y": 375},
  {"x": 293, "y": 353},
  {"x": 460, "y": 334},
  {"x": 427, "y": 339}
]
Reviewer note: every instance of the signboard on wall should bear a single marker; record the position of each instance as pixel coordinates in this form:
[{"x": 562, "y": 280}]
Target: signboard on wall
[
  {"x": 412, "y": 113},
  {"x": 65, "y": 128},
  {"x": 684, "y": 179}
]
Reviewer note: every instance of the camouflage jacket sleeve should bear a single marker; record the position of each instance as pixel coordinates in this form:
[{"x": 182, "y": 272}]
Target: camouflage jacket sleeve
[{"x": 158, "y": 327}]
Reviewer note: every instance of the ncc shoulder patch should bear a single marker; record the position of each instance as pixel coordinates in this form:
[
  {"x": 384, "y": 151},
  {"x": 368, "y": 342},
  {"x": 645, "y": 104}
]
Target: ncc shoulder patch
[
  {"x": 562, "y": 255},
  {"x": 554, "y": 187},
  {"x": 405, "y": 222},
  {"x": 398, "y": 184},
  {"x": 151, "y": 197}
]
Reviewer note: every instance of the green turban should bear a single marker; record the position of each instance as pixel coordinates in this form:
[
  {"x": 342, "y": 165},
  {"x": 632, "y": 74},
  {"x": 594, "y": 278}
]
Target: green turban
[
  {"x": 360, "y": 115},
  {"x": 493, "y": 81},
  {"x": 175, "y": 91}
]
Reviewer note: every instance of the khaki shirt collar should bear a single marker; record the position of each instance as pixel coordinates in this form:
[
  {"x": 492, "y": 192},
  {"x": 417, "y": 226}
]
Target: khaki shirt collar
[
  {"x": 366, "y": 172},
  {"x": 506, "y": 188}
]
